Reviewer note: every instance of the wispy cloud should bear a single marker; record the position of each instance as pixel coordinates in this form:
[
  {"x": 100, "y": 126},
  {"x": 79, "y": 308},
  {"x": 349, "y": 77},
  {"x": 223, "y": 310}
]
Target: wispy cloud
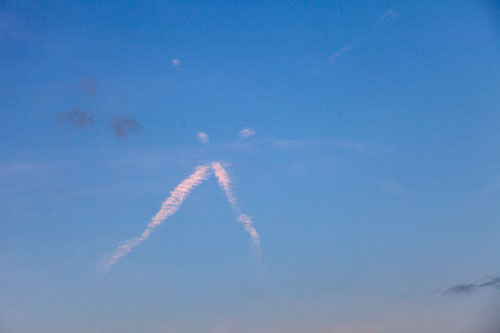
[
  {"x": 468, "y": 288},
  {"x": 75, "y": 117},
  {"x": 169, "y": 207},
  {"x": 246, "y": 133},
  {"x": 203, "y": 137},
  {"x": 123, "y": 126}
]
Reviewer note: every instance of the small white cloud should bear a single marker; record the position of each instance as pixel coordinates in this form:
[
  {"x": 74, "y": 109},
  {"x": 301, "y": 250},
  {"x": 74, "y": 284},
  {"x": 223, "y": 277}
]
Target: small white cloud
[
  {"x": 176, "y": 62},
  {"x": 246, "y": 133},
  {"x": 388, "y": 14},
  {"x": 202, "y": 137}
]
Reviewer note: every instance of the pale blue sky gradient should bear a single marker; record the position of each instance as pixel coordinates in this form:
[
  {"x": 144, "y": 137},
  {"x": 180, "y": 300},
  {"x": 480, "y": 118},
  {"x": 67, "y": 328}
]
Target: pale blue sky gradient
[{"x": 373, "y": 176}]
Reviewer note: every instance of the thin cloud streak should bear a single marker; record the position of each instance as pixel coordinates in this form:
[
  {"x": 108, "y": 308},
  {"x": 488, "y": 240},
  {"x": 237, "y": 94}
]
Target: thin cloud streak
[
  {"x": 169, "y": 207},
  {"x": 387, "y": 14}
]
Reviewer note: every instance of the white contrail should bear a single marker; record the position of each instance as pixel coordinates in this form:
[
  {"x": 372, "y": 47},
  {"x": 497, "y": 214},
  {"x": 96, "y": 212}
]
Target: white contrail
[
  {"x": 225, "y": 183},
  {"x": 169, "y": 207}
]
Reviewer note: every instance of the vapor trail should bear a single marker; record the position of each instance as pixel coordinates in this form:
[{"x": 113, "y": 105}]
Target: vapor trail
[
  {"x": 225, "y": 183},
  {"x": 169, "y": 207},
  {"x": 248, "y": 225}
]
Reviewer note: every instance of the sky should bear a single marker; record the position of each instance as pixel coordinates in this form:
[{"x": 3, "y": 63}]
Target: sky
[{"x": 360, "y": 140}]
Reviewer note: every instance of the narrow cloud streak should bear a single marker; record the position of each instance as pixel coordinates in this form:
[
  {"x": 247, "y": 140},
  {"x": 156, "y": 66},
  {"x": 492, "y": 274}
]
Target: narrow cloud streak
[
  {"x": 168, "y": 208},
  {"x": 387, "y": 14}
]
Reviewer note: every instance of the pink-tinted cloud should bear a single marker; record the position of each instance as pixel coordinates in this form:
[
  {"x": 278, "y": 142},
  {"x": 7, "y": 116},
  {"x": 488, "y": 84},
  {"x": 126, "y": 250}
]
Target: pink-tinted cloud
[{"x": 203, "y": 137}]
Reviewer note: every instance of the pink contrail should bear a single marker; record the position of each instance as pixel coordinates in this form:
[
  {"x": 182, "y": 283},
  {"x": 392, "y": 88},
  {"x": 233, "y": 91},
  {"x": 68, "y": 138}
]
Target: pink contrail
[
  {"x": 248, "y": 225},
  {"x": 225, "y": 183},
  {"x": 168, "y": 208}
]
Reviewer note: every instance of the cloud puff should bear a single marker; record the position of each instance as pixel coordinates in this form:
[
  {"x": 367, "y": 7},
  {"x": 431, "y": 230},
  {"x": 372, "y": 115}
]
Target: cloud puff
[
  {"x": 176, "y": 62},
  {"x": 388, "y": 13},
  {"x": 202, "y": 137},
  {"x": 75, "y": 117},
  {"x": 123, "y": 126},
  {"x": 88, "y": 86},
  {"x": 246, "y": 133},
  {"x": 472, "y": 287}
]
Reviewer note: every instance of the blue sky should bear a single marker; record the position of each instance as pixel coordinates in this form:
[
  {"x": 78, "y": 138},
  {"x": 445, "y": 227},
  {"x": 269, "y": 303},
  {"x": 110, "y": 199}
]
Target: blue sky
[{"x": 372, "y": 177}]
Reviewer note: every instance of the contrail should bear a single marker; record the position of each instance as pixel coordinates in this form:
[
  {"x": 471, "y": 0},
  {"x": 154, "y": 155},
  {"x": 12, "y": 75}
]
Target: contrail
[
  {"x": 168, "y": 208},
  {"x": 225, "y": 183},
  {"x": 248, "y": 225}
]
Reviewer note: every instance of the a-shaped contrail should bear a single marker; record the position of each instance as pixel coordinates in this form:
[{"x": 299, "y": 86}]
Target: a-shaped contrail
[
  {"x": 174, "y": 202},
  {"x": 168, "y": 208},
  {"x": 225, "y": 183}
]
